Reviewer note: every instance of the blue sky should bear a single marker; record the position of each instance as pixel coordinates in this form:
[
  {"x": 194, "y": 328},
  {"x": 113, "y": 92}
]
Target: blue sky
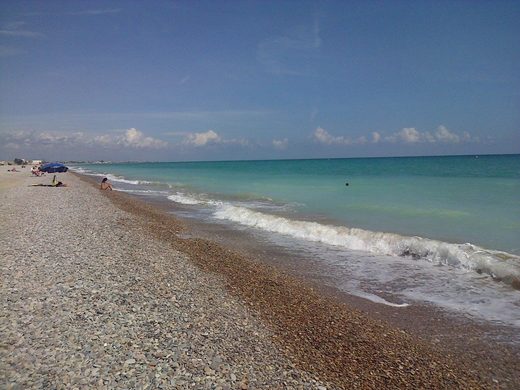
[{"x": 214, "y": 80}]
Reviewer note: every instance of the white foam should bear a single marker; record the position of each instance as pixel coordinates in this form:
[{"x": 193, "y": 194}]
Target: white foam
[
  {"x": 111, "y": 177},
  {"x": 192, "y": 199},
  {"x": 121, "y": 179},
  {"x": 179, "y": 197},
  {"x": 80, "y": 170},
  {"x": 376, "y": 298},
  {"x": 141, "y": 191},
  {"x": 499, "y": 265}
]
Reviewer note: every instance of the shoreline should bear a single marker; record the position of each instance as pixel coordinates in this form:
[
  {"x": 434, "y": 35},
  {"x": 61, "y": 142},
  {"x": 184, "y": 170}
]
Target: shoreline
[
  {"x": 495, "y": 346},
  {"x": 327, "y": 340},
  {"x": 325, "y": 296},
  {"x": 496, "y": 362}
]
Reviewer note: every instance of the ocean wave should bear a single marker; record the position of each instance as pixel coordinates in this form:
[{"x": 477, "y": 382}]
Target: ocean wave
[
  {"x": 121, "y": 179},
  {"x": 500, "y": 266},
  {"x": 142, "y": 191},
  {"x": 80, "y": 170},
  {"x": 192, "y": 199},
  {"x": 111, "y": 177},
  {"x": 179, "y": 197}
]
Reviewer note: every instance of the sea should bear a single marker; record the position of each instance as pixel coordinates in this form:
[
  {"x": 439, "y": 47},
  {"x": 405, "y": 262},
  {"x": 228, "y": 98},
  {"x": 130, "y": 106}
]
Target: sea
[{"x": 441, "y": 231}]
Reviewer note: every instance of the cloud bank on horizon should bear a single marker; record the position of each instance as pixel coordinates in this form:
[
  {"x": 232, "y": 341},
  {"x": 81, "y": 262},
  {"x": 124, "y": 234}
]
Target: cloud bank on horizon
[
  {"x": 259, "y": 81},
  {"x": 134, "y": 139}
]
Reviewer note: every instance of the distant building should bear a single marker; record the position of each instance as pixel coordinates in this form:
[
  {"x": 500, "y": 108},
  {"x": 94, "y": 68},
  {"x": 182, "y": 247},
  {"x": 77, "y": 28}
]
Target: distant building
[{"x": 36, "y": 162}]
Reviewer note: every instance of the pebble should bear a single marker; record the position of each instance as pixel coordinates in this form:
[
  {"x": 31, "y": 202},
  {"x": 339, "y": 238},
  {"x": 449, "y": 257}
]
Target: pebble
[{"x": 91, "y": 299}]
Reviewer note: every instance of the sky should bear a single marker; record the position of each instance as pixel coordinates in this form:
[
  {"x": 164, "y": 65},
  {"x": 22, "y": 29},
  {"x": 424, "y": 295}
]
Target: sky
[{"x": 233, "y": 80}]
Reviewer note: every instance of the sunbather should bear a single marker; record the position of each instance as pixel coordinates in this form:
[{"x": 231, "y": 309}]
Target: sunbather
[
  {"x": 105, "y": 184},
  {"x": 55, "y": 183}
]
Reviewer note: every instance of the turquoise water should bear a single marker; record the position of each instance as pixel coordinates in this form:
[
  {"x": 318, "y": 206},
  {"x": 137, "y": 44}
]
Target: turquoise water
[
  {"x": 438, "y": 230},
  {"x": 457, "y": 199}
]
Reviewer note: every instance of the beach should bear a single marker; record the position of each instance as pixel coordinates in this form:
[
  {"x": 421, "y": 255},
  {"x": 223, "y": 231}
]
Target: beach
[{"x": 101, "y": 290}]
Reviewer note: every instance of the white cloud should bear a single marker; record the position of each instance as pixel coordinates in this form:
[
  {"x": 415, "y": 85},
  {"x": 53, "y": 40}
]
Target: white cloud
[
  {"x": 444, "y": 135},
  {"x": 407, "y": 135},
  {"x": 136, "y": 139},
  {"x": 210, "y": 137},
  {"x": 321, "y": 135},
  {"x": 48, "y": 138},
  {"x": 131, "y": 138},
  {"x": 411, "y": 135},
  {"x": 427, "y": 137},
  {"x": 12, "y": 29},
  {"x": 22, "y": 33},
  {"x": 280, "y": 144},
  {"x": 96, "y": 12},
  {"x": 103, "y": 140},
  {"x": 201, "y": 139}
]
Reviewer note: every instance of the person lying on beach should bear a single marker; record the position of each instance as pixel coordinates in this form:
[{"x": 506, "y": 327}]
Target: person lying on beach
[
  {"x": 57, "y": 184},
  {"x": 105, "y": 184}
]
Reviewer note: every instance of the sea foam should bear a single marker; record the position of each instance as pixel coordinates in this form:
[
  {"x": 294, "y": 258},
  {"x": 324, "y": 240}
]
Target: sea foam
[
  {"x": 499, "y": 265},
  {"x": 179, "y": 197},
  {"x": 109, "y": 176}
]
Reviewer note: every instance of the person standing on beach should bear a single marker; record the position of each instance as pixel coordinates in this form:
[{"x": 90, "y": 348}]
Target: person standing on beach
[{"x": 105, "y": 184}]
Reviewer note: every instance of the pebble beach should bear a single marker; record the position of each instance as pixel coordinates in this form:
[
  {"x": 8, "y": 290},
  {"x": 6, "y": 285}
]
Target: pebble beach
[{"x": 99, "y": 290}]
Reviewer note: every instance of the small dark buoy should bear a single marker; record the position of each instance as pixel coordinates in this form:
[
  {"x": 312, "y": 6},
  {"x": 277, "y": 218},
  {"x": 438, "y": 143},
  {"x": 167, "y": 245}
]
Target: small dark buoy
[{"x": 346, "y": 183}]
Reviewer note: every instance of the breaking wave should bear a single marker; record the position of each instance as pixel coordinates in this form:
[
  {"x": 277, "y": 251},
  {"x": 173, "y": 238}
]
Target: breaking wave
[
  {"x": 179, "y": 197},
  {"x": 109, "y": 176},
  {"x": 500, "y": 266},
  {"x": 122, "y": 179},
  {"x": 150, "y": 192}
]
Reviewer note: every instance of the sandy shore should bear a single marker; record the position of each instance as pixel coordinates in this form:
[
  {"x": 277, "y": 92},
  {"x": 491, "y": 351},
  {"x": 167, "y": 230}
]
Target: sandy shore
[{"x": 101, "y": 290}]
